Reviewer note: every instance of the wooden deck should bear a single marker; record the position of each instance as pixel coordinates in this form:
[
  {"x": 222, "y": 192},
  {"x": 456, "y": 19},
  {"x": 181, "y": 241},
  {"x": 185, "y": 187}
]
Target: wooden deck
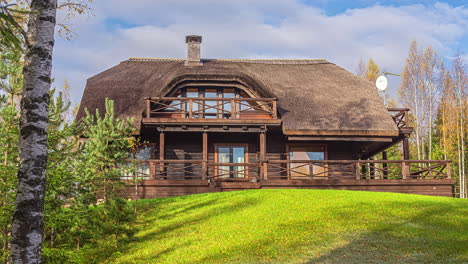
[{"x": 162, "y": 178}]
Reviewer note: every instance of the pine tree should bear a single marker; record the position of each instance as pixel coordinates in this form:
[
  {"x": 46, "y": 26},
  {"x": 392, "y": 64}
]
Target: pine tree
[
  {"x": 9, "y": 130},
  {"x": 106, "y": 149}
]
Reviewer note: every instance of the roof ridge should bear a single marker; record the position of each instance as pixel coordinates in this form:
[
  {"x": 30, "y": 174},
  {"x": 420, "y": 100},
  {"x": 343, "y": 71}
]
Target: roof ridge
[{"x": 259, "y": 61}]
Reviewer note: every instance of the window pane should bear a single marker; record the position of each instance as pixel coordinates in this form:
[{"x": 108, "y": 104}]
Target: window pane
[
  {"x": 192, "y": 92},
  {"x": 238, "y": 154},
  {"x": 223, "y": 157},
  {"x": 210, "y": 110},
  {"x": 227, "y": 106}
]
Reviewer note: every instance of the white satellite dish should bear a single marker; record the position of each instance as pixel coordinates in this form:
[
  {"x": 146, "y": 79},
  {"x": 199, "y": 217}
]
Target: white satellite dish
[{"x": 381, "y": 83}]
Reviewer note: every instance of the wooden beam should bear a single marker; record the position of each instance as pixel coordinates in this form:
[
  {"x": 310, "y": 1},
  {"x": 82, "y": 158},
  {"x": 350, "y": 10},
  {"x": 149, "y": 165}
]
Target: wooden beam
[
  {"x": 364, "y": 139},
  {"x": 199, "y": 128},
  {"x": 208, "y": 99},
  {"x": 205, "y": 155},
  {"x": 186, "y": 121}
]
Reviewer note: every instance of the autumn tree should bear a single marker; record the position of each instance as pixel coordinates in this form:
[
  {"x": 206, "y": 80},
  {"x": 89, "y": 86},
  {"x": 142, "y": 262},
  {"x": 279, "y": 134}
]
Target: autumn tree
[
  {"x": 419, "y": 91},
  {"x": 372, "y": 71},
  {"x": 451, "y": 124}
]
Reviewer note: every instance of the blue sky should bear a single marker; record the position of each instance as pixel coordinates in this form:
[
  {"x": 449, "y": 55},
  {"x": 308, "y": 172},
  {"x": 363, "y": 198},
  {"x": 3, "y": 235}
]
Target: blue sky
[{"x": 343, "y": 32}]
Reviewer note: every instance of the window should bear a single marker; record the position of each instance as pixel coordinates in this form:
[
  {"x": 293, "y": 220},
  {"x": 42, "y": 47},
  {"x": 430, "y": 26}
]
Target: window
[
  {"x": 231, "y": 153},
  {"x": 138, "y": 167},
  {"x": 300, "y": 170}
]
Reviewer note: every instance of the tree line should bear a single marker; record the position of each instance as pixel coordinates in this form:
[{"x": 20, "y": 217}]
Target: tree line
[{"x": 436, "y": 93}]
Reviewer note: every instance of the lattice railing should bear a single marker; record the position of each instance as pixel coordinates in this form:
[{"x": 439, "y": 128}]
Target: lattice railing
[
  {"x": 400, "y": 116},
  {"x": 221, "y": 108},
  {"x": 289, "y": 170}
]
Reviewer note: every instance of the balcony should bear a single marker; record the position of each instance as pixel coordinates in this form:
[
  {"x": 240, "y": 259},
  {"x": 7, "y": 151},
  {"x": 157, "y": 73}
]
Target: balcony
[{"x": 211, "y": 110}]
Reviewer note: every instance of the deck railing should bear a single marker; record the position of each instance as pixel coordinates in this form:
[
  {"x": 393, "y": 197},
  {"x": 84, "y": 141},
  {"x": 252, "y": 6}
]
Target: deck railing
[
  {"x": 293, "y": 170},
  {"x": 219, "y": 108},
  {"x": 234, "y": 171},
  {"x": 400, "y": 116}
]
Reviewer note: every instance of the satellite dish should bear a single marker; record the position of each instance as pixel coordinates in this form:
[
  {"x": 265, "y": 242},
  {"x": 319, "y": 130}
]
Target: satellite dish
[{"x": 381, "y": 83}]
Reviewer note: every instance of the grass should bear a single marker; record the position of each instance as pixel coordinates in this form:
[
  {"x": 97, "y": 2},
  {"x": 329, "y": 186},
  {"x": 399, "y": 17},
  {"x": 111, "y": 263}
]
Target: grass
[{"x": 300, "y": 226}]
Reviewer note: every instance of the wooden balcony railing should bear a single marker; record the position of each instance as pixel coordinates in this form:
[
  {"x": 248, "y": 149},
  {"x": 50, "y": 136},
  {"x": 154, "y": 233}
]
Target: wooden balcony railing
[
  {"x": 292, "y": 170},
  {"x": 219, "y": 108},
  {"x": 400, "y": 116}
]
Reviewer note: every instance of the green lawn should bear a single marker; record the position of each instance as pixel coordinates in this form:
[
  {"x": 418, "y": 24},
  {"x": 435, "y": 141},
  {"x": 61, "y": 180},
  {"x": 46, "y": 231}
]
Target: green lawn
[{"x": 300, "y": 226}]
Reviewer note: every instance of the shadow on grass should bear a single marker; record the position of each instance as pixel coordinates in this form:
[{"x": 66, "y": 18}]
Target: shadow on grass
[
  {"x": 187, "y": 214},
  {"x": 355, "y": 232},
  {"x": 426, "y": 237}
]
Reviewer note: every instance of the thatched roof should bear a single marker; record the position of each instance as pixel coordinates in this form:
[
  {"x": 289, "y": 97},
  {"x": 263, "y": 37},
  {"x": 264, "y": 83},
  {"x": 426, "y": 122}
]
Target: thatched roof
[{"x": 315, "y": 97}]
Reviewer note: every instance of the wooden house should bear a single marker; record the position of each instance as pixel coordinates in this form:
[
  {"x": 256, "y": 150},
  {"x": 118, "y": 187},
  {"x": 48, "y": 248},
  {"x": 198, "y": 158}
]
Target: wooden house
[{"x": 234, "y": 124}]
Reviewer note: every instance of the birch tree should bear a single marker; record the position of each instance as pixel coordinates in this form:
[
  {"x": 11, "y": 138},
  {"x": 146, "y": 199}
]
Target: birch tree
[
  {"x": 420, "y": 91},
  {"x": 29, "y": 216},
  {"x": 432, "y": 78},
  {"x": 460, "y": 84}
]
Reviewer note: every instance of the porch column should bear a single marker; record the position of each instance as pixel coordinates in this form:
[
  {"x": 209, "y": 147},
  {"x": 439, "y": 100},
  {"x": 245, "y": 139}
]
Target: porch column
[
  {"x": 161, "y": 153},
  {"x": 161, "y": 146},
  {"x": 406, "y": 154},
  {"x": 205, "y": 156},
  {"x": 263, "y": 165}
]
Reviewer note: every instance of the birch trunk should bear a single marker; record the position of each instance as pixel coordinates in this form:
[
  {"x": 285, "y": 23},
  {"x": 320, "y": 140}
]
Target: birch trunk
[{"x": 28, "y": 216}]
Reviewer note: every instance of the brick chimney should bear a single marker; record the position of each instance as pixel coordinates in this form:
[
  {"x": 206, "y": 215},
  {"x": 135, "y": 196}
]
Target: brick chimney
[{"x": 193, "y": 47}]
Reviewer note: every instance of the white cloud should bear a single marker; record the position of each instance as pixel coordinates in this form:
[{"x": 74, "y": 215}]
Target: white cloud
[{"x": 254, "y": 29}]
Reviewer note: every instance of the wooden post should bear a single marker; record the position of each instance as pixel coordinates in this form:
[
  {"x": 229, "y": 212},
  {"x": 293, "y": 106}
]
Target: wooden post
[
  {"x": 233, "y": 109},
  {"x": 358, "y": 173},
  {"x": 148, "y": 107},
  {"x": 406, "y": 118},
  {"x": 262, "y": 152},
  {"x": 384, "y": 165},
  {"x": 448, "y": 170},
  {"x": 406, "y": 154},
  {"x": 404, "y": 170},
  {"x": 265, "y": 170},
  {"x": 371, "y": 169},
  {"x": 152, "y": 170},
  {"x": 275, "y": 109},
  {"x": 161, "y": 153},
  {"x": 190, "y": 115},
  {"x": 205, "y": 156}
]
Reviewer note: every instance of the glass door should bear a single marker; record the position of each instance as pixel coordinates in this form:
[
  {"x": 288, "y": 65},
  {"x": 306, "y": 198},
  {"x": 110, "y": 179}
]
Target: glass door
[{"x": 231, "y": 154}]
